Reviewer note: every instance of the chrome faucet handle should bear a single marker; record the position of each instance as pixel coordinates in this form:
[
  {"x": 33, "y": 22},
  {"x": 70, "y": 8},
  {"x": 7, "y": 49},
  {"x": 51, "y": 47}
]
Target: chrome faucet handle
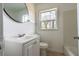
[{"x": 21, "y": 35}]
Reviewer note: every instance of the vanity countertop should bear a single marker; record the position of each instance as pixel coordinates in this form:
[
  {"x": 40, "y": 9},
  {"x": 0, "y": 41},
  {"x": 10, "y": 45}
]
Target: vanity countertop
[{"x": 22, "y": 40}]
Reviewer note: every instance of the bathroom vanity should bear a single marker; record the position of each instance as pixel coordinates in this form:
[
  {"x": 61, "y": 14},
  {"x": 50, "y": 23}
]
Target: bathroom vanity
[{"x": 23, "y": 46}]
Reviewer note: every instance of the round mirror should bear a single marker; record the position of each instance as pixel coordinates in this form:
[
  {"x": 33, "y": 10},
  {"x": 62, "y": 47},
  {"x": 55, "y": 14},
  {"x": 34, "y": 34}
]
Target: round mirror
[{"x": 17, "y": 12}]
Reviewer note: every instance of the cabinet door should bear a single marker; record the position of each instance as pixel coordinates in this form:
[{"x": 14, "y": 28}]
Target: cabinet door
[
  {"x": 32, "y": 48},
  {"x": 36, "y": 48},
  {"x": 28, "y": 49},
  {"x": 25, "y": 50}
]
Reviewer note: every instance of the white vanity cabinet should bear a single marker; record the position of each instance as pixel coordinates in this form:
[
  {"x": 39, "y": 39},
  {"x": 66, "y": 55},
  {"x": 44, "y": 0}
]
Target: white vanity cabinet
[
  {"x": 28, "y": 47},
  {"x": 31, "y": 48}
]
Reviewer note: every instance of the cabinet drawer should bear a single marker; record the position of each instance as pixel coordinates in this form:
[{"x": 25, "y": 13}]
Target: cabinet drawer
[{"x": 31, "y": 42}]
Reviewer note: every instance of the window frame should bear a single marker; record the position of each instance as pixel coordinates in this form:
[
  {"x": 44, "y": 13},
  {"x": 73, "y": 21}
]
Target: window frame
[{"x": 43, "y": 11}]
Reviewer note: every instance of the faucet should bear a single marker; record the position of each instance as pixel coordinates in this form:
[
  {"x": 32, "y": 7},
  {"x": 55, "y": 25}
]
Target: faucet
[{"x": 21, "y": 35}]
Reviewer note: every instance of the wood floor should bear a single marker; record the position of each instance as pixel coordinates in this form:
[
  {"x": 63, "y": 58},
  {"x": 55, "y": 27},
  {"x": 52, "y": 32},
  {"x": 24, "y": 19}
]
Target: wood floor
[{"x": 52, "y": 53}]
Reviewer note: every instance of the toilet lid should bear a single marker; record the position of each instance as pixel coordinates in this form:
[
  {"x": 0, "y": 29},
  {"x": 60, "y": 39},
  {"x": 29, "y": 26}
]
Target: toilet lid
[{"x": 43, "y": 45}]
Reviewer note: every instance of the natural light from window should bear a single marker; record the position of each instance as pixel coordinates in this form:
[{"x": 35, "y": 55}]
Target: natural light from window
[{"x": 48, "y": 19}]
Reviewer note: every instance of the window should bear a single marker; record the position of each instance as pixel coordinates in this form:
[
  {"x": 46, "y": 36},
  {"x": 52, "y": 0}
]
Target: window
[{"x": 48, "y": 19}]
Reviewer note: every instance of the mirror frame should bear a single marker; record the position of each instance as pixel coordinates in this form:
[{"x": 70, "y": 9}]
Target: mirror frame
[{"x": 12, "y": 17}]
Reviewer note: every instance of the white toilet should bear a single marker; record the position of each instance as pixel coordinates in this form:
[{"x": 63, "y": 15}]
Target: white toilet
[{"x": 43, "y": 48}]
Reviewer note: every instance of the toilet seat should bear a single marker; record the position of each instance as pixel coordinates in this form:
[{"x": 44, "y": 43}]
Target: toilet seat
[{"x": 43, "y": 45}]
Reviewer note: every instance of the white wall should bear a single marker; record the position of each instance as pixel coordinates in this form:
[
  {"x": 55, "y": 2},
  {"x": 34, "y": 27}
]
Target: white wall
[
  {"x": 78, "y": 24},
  {"x": 1, "y": 28},
  {"x": 1, "y": 23},
  {"x": 70, "y": 27},
  {"x": 54, "y": 38},
  {"x": 11, "y": 27}
]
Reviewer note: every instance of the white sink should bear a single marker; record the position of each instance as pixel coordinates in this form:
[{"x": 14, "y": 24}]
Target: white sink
[
  {"x": 28, "y": 37},
  {"x": 25, "y": 38}
]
